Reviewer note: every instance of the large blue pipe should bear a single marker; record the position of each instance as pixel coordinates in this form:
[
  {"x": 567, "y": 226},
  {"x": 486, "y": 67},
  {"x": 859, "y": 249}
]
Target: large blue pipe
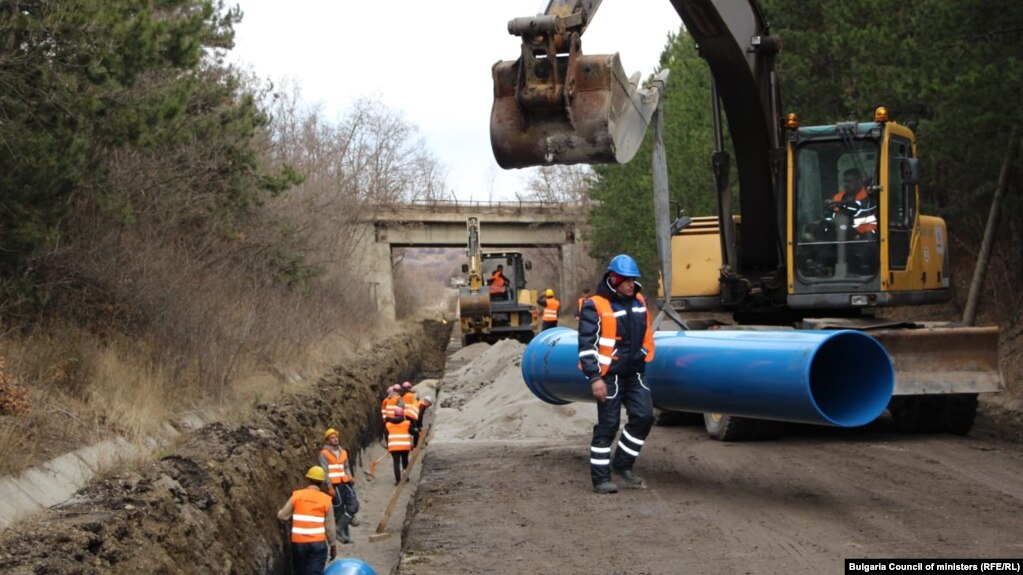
[{"x": 843, "y": 378}]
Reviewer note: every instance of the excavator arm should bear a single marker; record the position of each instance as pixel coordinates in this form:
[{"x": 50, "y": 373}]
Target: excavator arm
[{"x": 554, "y": 105}]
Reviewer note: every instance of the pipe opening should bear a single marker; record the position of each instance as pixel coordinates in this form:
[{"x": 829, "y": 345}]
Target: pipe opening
[{"x": 851, "y": 379}]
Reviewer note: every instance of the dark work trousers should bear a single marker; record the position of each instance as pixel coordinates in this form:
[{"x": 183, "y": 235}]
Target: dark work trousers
[
  {"x": 548, "y": 325},
  {"x": 341, "y": 520},
  {"x": 632, "y": 392},
  {"x": 308, "y": 558},
  {"x": 400, "y": 463}
]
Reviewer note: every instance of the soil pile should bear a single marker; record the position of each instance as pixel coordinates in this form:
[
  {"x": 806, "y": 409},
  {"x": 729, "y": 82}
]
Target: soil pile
[{"x": 486, "y": 399}]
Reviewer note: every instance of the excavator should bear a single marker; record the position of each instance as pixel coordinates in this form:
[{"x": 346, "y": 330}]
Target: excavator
[
  {"x": 798, "y": 254},
  {"x": 488, "y": 312}
]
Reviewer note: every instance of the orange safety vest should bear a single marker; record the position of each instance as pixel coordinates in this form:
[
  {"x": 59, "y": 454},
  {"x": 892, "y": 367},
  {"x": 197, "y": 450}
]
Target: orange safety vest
[
  {"x": 336, "y": 466},
  {"x": 497, "y": 283},
  {"x": 579, "y": 308},
  {"x": 398, "y": 436},
  {"x": 550, "y": 312},
  {"x": 387, "y": 406},
  {"x": 863, "y": 221},
  {"x": 411, "y": 406},
  {"x": 309, "y": 512},
  {"x": 608, "y": 338}
]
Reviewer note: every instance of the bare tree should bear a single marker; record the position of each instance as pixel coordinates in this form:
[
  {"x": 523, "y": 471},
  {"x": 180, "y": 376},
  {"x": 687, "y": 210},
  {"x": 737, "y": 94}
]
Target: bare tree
[{"x": 559, "y": 184}]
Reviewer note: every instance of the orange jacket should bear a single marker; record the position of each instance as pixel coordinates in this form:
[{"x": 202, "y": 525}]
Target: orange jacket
[{"x": 310, "y": 511}]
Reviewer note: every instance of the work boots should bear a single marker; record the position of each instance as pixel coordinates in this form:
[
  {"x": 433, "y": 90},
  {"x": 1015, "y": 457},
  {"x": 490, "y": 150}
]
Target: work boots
[
  {"x": 632, "y": 481},
  {"x": 605, "y": 487}
]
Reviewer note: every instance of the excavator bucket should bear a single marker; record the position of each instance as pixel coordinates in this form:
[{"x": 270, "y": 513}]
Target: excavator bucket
[
  {"x": 583, "y": 110},
  {"x": 939, "y": 360}
]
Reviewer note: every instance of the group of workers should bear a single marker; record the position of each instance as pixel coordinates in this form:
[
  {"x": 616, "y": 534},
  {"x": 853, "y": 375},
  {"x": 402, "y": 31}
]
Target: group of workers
[
  {"x": 403, "y": 414},
  {"x": 322, "y": 511}
]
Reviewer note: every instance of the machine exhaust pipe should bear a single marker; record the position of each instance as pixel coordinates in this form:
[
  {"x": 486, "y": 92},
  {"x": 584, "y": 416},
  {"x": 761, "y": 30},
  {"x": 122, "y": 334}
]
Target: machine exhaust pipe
[{"x": 843, "y": 378}]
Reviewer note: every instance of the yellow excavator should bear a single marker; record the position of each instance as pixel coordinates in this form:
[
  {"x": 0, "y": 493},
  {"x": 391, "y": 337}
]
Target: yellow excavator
[
  {"x": 799, "y": 253},
  {"x": 489, "y": 309}
]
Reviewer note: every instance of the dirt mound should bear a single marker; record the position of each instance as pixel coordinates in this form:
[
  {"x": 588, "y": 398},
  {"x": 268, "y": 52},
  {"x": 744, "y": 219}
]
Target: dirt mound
[
  {"x": 487, "y": 399},
  {"x": 210, "y": 505}
]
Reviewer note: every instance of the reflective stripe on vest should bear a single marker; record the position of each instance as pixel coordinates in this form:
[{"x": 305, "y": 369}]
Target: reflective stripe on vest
[
  {"x": 550, "y": 312},
  {"x": 310, "y": 508},
  {"x": 608, "y": 332},
  {"x": 411, "y": 406},
  {"x": 336, "y": 466},
  {"x": 387, "y": 407},
  {"x": 864, "y": 220},
  {"x": 398, "y": 436}
]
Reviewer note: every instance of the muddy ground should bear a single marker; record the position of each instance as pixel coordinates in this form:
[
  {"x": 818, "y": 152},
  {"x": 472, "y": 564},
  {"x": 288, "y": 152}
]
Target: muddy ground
[{"x": 502, "y": 486}]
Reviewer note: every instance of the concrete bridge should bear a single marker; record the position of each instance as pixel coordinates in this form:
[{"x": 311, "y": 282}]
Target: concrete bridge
[{"x": 443, "y": 224}]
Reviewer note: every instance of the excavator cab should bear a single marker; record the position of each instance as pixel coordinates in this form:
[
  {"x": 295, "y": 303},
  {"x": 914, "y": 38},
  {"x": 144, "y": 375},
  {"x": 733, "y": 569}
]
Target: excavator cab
[
  {"x": 554, "y": 105},
  {"x": 837, "y": 212}
]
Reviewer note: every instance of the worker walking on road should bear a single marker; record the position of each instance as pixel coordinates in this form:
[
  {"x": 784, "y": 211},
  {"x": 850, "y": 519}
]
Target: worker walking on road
[
  {"x": 399, "y": 442},
  {"x": 615, "y": 344},
  {"x": 334, "y": 459},
  {"x": 551, "y": 309},
  {"x": 313, "y": 533}
]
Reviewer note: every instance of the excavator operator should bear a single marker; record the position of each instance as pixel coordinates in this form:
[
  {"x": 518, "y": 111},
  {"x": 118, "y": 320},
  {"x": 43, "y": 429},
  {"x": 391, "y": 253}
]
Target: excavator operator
[
  {"x": 854, "y": 200},
  {"x": 498, "y": 282}
]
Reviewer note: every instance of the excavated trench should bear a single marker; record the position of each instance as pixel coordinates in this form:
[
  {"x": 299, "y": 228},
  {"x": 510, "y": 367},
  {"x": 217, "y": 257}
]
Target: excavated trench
[{"x": 208, "y": 504}]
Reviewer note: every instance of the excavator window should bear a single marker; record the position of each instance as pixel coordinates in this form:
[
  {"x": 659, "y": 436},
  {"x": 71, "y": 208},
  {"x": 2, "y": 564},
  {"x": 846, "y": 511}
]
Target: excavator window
[{"x": 837, "y": 238}]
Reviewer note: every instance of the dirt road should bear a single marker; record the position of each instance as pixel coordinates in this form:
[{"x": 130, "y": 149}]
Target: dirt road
[{"x": 499, "y": 499}]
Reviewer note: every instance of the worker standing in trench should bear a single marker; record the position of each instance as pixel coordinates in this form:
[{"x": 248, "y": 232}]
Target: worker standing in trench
[
  {"x": 334, "y": 459},
  {"x": 615, "y": 344},
  {"x": 313, "y": 533},
  {"x": 399, "y": 441}
]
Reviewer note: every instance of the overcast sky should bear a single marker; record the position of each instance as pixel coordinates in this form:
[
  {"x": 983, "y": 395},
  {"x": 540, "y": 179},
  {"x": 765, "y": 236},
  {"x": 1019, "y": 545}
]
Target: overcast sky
[{"x": 430, "y": 61}]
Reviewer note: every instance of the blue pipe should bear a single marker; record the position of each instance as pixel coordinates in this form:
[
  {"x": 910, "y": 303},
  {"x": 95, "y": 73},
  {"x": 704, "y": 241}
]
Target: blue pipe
[
  {"x": 349, "y": 566},
  {"x": 843, "y": 378}
]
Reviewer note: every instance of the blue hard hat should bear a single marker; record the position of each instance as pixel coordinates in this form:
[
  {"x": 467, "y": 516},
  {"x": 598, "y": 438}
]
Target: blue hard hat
[
  {"x": 349, "y": 566},
  {"x": 624, "y": 265}
]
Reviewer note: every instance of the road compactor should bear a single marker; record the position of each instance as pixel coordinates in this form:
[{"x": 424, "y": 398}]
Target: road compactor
[{"x": 798, "y": 253}]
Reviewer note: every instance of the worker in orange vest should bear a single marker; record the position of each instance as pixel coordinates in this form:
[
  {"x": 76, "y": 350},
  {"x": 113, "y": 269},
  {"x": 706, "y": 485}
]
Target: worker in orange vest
[
  {"x": 399, "y": 442},
  {"x": 551, "y": 309},
  {"x": 417, "y": 426},
  {"x": 615, "y": 344},
  {"x": 582, "y": 300},
  {"x": 498, "y": 282},
  {"x": 313, "y": 532},
  {"x": 334, "y": 459},
  {"x": 409, "y": 402},
  {"x": 390, "y": 401}
]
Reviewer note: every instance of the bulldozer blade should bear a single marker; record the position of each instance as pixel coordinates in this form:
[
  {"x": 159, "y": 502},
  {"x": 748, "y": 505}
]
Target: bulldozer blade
[
  {"x": 941, "y": 360},
  {"x": 597, "y": 116}
]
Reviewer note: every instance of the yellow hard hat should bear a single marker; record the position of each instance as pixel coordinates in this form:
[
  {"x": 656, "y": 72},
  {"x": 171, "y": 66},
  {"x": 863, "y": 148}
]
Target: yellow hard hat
[
  {"x": 549, "y": 292},
  {"x": 329, "y": 432},
  {"x": 316, "y": 473}
]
